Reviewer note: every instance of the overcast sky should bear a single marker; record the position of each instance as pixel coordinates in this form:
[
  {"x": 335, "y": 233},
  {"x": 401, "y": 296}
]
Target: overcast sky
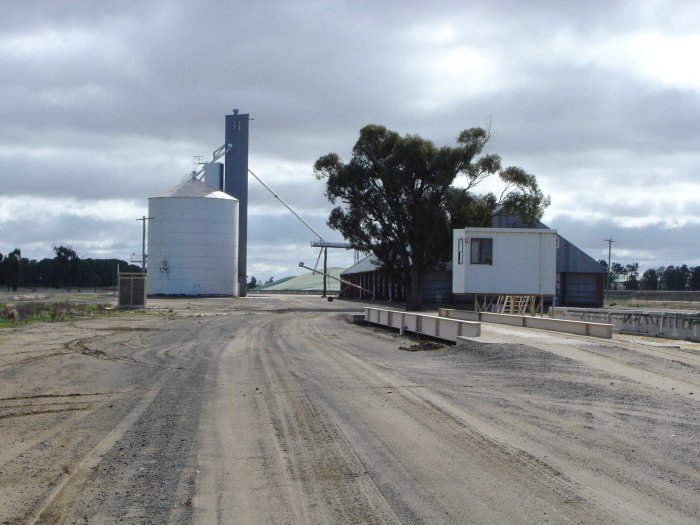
[{"x": 103, "y": 104}]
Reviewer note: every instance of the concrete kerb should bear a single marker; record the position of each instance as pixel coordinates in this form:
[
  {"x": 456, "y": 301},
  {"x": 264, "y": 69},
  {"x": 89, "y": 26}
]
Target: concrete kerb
[
  {"x": 425, "y": 324},
  {"x": 601, "y": 330}
]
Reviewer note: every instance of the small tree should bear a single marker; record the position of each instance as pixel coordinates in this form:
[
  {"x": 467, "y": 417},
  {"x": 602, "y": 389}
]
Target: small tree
[
  {"x": 650, "y": 280},
  {"x": 674, "y": 277},
  {"x": 616, "y": 271},
  {"x": 12, "y": 266},
  {"x": 632, "y": 272},
  {"x": 253, "y": 283},
  {"x": 66, "y": 265},
  {"x": 694, "y": 283}
]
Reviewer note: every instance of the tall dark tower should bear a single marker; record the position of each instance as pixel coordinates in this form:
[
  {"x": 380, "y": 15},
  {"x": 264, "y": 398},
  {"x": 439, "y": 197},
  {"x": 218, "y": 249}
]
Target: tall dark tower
[{"x": 236, "y": 185}]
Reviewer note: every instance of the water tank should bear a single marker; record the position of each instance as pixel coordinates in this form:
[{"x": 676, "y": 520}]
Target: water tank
[{"x": 193, "y": 241}]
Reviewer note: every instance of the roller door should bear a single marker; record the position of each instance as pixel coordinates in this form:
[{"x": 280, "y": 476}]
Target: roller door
[{"x": 579, "y": 288}]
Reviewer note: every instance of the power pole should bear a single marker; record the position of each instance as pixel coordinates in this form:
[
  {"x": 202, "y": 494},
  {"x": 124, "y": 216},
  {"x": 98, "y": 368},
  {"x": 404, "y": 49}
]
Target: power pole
[
  {"x": 325, "y": 271},
  {"x": 143, "y": 243},
  {"x": 607, "y": 276}
]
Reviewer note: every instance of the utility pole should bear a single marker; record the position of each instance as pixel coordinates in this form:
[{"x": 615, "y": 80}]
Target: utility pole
[
  {"x": 325, "y": 271},
  {"x": 143, "y": 242},
  {"x": 607, "y": 276}
]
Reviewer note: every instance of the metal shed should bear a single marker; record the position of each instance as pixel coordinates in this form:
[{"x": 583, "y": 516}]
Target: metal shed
[
  {"x": 437, "y": 284},
  {"x": 580, "y": 278}
]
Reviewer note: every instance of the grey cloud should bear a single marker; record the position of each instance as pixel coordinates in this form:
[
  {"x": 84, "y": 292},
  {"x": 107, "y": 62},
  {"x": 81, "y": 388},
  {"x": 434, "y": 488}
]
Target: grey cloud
[
  {"x": 299, "y": 194},
  {"x": 266, "y": 228},
  {"x": 584, "y": 110},
  {"x": 88, "y": 236},
  {"x": 651, "y": 246},
  {"x": 121, "y": 114}
]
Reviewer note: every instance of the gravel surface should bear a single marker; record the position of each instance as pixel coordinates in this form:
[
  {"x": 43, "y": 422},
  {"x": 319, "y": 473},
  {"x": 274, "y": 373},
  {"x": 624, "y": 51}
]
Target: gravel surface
[{"x": 273, "y": 409}]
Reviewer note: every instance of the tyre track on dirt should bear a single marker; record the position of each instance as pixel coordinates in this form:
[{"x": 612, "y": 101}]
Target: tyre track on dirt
[
  {"x": 147, "y": 473},
  {"x": 297, "y": 464},
  {"x": 283, "y": 413},
  {"x": 87, "y": 448},
  {"x": 295, "y": 371},
  {"x": 12, "y": 451},
  {"x": 67, "y": 490},
  {"x": 320, "y": 457},
  {"x": 451, "y": 426},
  {"x": 525, "y": 441}
]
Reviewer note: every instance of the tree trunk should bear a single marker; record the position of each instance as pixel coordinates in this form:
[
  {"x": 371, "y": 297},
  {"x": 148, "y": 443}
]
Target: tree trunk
[{"x": 414, "y": 290}]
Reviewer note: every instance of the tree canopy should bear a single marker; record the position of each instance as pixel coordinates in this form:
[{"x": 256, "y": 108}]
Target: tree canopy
[
  {"x": 650, "y": 280},
  {"x": 11, "y": 265},
  {"x": 675, "y": 278},
  {"x": 66, "y": 265},
  {"x": 66, "y": 269},
  {"x": 399, "y": 197}
]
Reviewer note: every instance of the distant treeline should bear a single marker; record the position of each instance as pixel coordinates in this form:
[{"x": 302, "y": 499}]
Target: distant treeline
[
  {"x": 65, "y": 270},
  {"x": 663, "y": 278}
]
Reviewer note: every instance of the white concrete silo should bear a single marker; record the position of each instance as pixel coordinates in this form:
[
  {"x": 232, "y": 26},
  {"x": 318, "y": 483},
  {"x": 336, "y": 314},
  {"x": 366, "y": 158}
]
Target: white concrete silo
[{"x": 193, "y": 241}]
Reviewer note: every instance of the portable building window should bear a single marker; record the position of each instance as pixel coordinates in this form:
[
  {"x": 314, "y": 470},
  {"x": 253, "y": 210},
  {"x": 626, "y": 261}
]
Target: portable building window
[
  {"x": 460, "y": 251},
  {"x": 481, "y": 251}
]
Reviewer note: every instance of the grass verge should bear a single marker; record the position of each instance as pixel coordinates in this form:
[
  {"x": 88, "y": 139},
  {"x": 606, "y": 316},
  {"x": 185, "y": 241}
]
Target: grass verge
[{"x": 37, "y": 311}]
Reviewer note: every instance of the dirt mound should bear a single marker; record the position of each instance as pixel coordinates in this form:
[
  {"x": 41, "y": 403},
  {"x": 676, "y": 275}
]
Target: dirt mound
[
  {"x": 423, "y": 346},
  {"x": 512, "y": 356}
]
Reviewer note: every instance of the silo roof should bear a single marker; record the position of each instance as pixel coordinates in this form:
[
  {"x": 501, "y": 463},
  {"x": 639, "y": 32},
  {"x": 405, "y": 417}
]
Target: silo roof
[{"x": 195, "y": 188}]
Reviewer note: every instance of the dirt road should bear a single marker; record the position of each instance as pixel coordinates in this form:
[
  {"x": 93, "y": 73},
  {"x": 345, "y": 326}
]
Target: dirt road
[{"x": 275, "y": 410}]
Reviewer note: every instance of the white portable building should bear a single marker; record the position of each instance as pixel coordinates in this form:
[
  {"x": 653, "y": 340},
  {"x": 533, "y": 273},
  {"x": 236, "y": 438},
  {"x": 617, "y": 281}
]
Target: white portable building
[
  {"x": 504, "y": 261},
  {"x": 193, "y": 241}
]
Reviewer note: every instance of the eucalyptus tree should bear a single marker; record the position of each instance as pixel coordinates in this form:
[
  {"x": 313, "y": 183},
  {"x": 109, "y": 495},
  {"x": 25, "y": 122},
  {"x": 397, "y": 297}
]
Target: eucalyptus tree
[{"x": 399, "y": 196}]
